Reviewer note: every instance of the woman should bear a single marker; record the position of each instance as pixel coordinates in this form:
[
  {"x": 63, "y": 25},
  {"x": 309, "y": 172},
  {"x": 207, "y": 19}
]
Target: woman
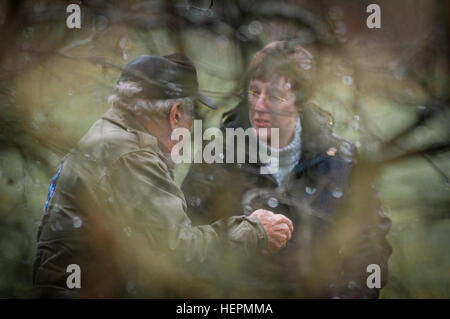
[{"x": 310, "y": 187}]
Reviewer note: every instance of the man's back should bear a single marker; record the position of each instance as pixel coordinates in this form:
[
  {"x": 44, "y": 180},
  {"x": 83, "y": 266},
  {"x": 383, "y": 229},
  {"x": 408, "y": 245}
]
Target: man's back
[{"x": 83, "y": 222}]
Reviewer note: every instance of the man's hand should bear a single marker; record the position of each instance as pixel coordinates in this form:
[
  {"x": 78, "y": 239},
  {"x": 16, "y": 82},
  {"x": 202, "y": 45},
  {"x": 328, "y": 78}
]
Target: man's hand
[{"x": 278, "y": 227}]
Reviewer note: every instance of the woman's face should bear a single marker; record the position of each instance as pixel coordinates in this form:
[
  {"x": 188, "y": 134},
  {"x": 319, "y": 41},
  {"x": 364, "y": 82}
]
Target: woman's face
[{"x": 272, "y": 105}]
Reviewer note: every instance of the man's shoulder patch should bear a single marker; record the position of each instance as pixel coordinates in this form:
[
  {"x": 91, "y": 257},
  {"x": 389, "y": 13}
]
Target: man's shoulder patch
[{"x": 52, "y": 186}]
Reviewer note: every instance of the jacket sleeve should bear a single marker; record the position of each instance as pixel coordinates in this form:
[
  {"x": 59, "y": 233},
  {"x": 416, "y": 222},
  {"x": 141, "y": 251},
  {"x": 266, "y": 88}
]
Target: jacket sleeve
[
  {"x": 200, "y": 188},
  {"x": 147, "y": 195}
]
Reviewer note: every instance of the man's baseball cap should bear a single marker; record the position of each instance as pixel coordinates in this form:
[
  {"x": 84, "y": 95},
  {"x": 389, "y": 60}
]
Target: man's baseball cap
[{"x": 165, "y": 77}]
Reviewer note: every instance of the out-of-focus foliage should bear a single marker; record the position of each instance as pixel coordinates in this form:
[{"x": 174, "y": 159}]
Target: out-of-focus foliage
[{"x": 386, "y": 88}]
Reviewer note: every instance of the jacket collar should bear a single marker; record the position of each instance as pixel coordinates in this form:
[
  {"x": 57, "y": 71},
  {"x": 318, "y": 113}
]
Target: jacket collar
[
  {"x": 128, "y": 122},
  {"x": 124, "y": 119}
]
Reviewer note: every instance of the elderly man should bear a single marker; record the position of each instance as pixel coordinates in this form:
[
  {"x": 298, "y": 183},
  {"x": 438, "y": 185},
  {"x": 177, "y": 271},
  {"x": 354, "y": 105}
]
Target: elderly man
[{"x": 115, "y": 222}]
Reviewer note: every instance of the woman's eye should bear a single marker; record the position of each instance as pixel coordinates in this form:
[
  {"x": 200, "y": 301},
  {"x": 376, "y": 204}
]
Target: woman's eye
[
  {"x": 274, "y": 98},
  {"x": 273, "y": 92}
]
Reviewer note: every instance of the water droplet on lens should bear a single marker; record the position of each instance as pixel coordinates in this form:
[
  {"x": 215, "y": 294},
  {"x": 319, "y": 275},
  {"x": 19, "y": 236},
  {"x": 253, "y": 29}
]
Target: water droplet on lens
[
  {"x": 130, "y": 286},
  {"x": 28, "y": 32},
  {"x": 337, "y": 193},
  {"x": 77, "y": 222},
  {"x": 340, "y": 28},
  {"x": 101, "y": 23},
  {"x": 123, "y": 43},
  {"x": 127, "y": 231},
  {"x": 195, "y": 201},
  {"x": 255, "y": 27},
  {"x": 305, "y": 65},
  {"x": 347, "y": 159},
  {"x": 421, "y": 107},
  {"x": 347, "y": 80},
  {"x": 351, "y": 284},
  {"x": 272, "y": 202},
  {"x": 400, "y": 73}
]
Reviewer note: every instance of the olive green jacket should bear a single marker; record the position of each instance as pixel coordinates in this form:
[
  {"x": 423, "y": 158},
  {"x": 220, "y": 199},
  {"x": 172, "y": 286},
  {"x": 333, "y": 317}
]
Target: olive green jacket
[{"x": 115, "y": 210}]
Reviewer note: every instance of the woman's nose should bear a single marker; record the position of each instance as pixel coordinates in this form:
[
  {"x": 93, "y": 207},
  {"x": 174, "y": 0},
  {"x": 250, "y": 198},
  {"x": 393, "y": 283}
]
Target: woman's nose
[{"x": 260, "y": 104}]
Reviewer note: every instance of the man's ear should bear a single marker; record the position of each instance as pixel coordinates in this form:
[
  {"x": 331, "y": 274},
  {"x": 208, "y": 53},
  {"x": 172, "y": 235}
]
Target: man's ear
[{"x": 175, "y": 115}]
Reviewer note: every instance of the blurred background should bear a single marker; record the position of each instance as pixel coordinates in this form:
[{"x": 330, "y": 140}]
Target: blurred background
[{"x": 386, "y": 88}]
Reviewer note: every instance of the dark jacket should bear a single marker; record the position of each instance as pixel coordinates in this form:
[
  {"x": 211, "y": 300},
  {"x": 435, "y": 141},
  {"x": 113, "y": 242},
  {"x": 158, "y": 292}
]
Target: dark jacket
[
  {"x": 115, "y": 210},
  {"x": 334, "y": 239}
]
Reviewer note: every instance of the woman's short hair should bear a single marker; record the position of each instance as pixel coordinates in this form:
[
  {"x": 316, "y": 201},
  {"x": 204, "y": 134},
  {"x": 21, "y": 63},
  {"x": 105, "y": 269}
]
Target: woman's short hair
[{"x": 284, "y": 58}]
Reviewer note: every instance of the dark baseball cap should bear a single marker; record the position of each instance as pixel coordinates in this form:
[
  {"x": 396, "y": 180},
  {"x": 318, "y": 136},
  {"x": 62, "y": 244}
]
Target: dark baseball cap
[{"x": 165, "y": 77}]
